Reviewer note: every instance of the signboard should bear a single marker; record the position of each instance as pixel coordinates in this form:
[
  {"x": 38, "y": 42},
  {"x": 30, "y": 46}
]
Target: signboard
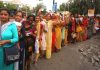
[
  {"x": 55, "y": 7},
  {"x": 91, "y": 12}
]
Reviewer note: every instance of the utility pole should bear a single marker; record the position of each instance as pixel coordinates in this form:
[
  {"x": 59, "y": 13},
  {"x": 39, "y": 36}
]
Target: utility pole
[
  {"x": 53, "y": 1},
  {"x": 54, "y": 6}
]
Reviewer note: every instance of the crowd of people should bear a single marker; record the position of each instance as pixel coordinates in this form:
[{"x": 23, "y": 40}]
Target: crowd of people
[{"x": 40, "y": 35}]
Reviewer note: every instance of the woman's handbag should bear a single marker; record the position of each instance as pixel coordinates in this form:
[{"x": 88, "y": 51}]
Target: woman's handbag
[{"x": 11, "y": 54}]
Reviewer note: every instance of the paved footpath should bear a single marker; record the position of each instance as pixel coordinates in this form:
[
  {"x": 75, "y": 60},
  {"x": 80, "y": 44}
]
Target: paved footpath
[{"x": 69, "y": 58}]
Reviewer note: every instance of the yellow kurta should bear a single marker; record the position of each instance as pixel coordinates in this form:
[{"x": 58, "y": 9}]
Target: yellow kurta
[
  {"x": 38, "y": 29},
  {"x": 58, "y": 36},
  {"x": 49, "y": 40}
]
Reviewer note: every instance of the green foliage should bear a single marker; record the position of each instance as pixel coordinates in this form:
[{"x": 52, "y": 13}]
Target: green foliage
[
  {"x": 7, "y": 5},
  {"x": 81, "y": 6},
  {"x": 11, "y": 6},
  {"x": 44, "y": 11},
  {"x": 63, "y": 7},
  {"x": 97, "y": 6},
  {"x": 38, "y": 7},
  {"x": 1, "y": 4},
  {"x": 25, "y": 8}
]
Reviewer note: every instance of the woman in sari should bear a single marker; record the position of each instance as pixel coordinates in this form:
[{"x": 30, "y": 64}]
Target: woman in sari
[
  {"x": 54, "y": 45},
  {"x": 85, "y": 24},
  {"x": 63, "y": 30},
  {"x": 66, "y": 29},
  {"x": 43, "y": 37},
  {"x": 58, "y": 31},
  {"x": 79, "y": 31},
  {"x": 69, "y": 37},
  {"x": 49, "y": 36},
  {"x": 38, "y": 40}
]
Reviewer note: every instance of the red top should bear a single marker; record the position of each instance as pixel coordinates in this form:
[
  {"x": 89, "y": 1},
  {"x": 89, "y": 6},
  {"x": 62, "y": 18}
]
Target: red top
[{"x": 85, "y": 22}]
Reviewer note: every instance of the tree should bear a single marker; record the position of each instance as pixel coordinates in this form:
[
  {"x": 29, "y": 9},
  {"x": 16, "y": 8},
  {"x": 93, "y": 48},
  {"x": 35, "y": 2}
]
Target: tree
[
  {"x": 38, "y": 7},
  {"x": 26, "y": 9},
  {"x": 11, "y": 6},
  {"x": 81, "y": 6},
  {"x": 1, "y": 4},
  {"x": 97, "y": 6},
  {"x": 63, "y": 7}
]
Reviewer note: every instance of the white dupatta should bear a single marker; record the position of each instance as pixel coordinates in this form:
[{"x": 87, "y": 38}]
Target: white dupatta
[{"x": 5, "y": 26}]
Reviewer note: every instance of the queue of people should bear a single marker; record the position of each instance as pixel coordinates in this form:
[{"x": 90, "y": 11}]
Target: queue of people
[{"x": 39, "y": 36}]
